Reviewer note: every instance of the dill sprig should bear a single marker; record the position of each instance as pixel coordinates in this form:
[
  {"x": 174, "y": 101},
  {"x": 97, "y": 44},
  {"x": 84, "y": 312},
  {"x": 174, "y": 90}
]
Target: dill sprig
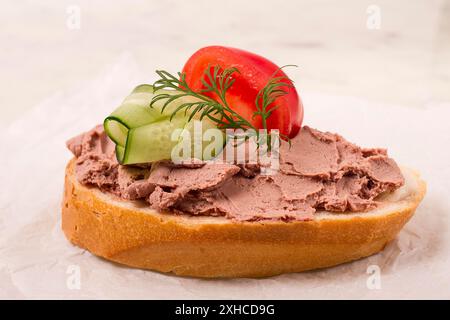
[{"x": 218, "y": 81}]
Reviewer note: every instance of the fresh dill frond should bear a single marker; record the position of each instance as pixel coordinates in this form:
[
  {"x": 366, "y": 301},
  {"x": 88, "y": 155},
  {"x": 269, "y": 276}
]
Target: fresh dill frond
[{"x": 218, "y": 81}]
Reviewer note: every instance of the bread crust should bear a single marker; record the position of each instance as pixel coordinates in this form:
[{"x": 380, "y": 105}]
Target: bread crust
[{"x": 130, "y": 233}]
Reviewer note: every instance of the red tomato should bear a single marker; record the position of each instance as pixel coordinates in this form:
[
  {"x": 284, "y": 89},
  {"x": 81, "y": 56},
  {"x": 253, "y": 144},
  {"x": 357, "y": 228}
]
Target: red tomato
[{"x": 255, "y": 72}]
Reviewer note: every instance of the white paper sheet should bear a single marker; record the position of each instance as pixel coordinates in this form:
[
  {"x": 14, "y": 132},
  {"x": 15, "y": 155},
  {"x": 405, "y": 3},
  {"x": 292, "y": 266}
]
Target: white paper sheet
[{"x": 36, "y": 261}]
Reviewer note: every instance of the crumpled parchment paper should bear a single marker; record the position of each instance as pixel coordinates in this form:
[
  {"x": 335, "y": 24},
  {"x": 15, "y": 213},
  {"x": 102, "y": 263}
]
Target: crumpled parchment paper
[{"x": 36, "y": 261}]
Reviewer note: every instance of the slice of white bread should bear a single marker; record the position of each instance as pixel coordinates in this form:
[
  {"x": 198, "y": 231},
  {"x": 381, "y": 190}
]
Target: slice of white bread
[{"x": 131, "y": 233}]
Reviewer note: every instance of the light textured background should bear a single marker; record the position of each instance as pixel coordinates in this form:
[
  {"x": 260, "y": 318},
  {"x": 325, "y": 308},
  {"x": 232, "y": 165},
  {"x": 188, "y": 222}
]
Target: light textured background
[
  {"x": 405, "y": 61},
  {"x": 386, "y": 87}
]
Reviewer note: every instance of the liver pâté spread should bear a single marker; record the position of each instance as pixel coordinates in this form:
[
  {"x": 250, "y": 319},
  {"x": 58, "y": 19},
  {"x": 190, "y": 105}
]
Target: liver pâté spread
[{"x": 319, "y": 171}]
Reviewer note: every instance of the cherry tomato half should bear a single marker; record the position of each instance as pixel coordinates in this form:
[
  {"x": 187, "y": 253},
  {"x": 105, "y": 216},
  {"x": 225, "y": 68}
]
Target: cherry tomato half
[{"x": 254, "y": 73}]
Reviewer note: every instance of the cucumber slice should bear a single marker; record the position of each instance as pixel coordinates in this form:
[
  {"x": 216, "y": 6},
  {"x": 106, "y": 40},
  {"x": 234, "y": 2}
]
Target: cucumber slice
[
  {"x": 116, "y": 130},
  {"x": 143, "y": 88},
  {"x": 152, "y": 142},
  {"x": 198, "y": 146},
  {"x": 120, "y": 151},
  {"x": 135, "y": 111},
  {"x": 155, "y": 141},
  {"x": 143, "y": 134}
]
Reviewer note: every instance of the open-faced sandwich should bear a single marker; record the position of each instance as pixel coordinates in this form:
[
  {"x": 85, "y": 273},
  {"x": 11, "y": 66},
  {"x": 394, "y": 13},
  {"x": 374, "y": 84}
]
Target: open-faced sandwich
[{"x": 209, "y": 173}]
